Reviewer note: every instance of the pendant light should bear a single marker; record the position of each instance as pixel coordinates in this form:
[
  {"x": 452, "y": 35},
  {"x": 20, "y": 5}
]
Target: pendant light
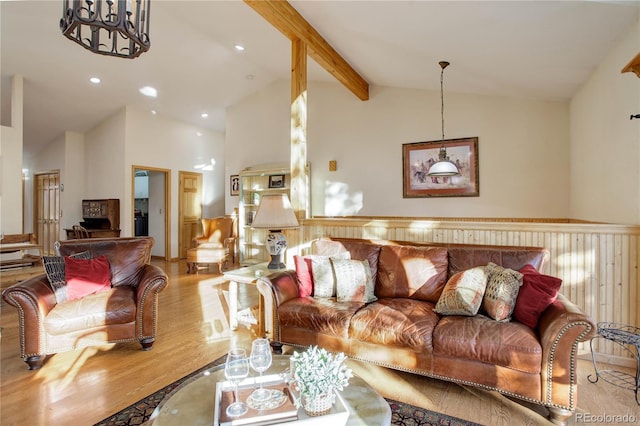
[{"x": 443, "y": 167}]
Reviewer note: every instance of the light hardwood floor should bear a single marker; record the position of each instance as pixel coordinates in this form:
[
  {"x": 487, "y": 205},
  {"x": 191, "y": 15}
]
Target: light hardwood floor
[{"x": 85, "y": 386}]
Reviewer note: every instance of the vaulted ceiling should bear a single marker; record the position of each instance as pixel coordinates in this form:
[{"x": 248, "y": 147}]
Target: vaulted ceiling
[{"x": 528, "y": 49}]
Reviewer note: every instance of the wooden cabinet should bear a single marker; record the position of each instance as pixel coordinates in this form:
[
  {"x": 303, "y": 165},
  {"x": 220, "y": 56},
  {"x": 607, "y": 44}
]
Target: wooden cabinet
[{"x": 254, "y": 183}]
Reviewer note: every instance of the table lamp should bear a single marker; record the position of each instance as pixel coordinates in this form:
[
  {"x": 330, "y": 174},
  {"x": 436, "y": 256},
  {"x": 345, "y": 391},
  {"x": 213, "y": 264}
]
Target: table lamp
[{"x": 275, "y": 214}]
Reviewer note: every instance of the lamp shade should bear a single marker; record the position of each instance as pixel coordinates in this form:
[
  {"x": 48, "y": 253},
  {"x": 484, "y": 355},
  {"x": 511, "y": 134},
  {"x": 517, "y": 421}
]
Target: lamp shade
[{"x": 275, "y": 212}]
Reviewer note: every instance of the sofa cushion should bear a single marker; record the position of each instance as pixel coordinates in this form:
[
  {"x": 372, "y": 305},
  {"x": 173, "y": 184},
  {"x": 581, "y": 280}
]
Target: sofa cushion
[
  {"x": 462, "y": 295},
  {"x": 538, "y": 291},
  {"x": 412, "y": 271},
  {"x": 357, "y": 248},
  {"x": 501, "y": 293},
  {"x": 396, "y": 322},
  {"x": 86, "y": 276},
  {"x": 89, "y": 312},
  {"x": 479, "y": 338},
  {"x": 325, "y": 316},
  {"x": 353, "y": 281},
  {"x": 323, "y": 275},
  {"x": 54, "y": 268},
  {"x": 463, "y": 257}
]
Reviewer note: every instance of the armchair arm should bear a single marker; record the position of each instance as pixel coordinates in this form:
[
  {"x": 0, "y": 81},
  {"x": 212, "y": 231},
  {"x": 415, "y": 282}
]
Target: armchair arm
[
  {"x": 152, "y": 281},
  {"x": 561, "y": 327},
  {"x": 276, "y": 289},
  {"x": 33, "y": 298}
]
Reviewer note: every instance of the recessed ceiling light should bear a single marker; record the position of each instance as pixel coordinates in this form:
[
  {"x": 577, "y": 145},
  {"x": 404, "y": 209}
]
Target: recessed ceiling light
[
  {"x": 94, "y": 80},
  {"x": 204, "y": 115},
  {"x": 239, "y": 47},
  {"x": 199, "y": 133},
  {"x": 149, "y": 91},
  {"x": 154, "y": 112}
]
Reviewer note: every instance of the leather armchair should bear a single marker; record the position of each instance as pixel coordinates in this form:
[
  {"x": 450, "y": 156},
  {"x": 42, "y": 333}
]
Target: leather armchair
[
  {"x": 126, "y": 312},
  {"x": 216, "y": 245}
]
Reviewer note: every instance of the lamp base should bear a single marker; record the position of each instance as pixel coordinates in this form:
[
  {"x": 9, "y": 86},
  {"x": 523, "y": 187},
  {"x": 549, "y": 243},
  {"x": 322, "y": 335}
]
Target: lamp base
[
  {"x": 276, "y": 262},
  {"x": 276, "y": 245}
]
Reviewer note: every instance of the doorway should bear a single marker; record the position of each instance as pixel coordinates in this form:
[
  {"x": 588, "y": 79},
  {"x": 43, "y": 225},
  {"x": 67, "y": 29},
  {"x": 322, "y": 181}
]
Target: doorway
[
  {"x": 47, "y": 210},
  {"x": 151, "y": 213},
  {"x": 189, "y": 210}
]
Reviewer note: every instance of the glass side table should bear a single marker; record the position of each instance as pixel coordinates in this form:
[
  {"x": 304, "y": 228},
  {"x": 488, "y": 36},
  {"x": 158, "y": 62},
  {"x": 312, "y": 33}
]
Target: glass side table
[{"x": 628, "y": 337}]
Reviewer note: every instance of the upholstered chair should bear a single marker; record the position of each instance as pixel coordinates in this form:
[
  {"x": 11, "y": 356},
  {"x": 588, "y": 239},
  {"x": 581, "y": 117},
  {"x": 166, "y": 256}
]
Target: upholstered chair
[
  {"x": 55, "y": 314},
  {"x": 216, "y": 245}
]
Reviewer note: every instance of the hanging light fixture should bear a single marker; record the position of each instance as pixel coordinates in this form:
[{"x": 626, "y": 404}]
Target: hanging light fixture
[
  {"x": 108, "y": 27},
  {"x": 443, "y": 167}
]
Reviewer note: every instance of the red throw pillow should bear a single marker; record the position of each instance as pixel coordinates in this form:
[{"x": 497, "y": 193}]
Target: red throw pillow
[
  {"x": 538, "y": 291},
  {"x": 85, "y": 277},
  {"x": 303, "y": 270}
]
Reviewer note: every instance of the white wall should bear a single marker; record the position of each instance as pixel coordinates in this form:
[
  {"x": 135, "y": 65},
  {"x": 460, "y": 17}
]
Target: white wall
[
  {"x": 11, "y": 188},
  {"x": 156, "y": 141},
  {"x": 523, "y": 149},
  {"x": 605, "y": 143}
]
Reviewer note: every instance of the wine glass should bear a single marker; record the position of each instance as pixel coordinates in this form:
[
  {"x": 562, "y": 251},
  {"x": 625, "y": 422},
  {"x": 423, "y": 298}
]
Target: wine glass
[
  {"x": 260, "y": 361},
  {"x": 236, "y": 368}
]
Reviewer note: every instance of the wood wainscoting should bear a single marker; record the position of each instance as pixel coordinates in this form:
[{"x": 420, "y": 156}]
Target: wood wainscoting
[{"x": 597, "y": 262}]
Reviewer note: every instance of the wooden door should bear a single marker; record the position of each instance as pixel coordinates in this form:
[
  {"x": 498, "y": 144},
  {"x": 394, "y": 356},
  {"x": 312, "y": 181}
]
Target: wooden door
[
  {"x": 47, "y": 208},
  {"x": 189, "y": 210}
]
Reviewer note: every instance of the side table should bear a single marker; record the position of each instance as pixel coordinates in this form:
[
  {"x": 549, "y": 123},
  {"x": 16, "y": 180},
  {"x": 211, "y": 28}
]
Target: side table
[
  {"x": 247, "y": 275},
  {"x": 628, "y": 337}
]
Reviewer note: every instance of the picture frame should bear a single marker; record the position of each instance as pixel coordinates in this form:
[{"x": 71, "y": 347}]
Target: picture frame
[
  {"x": 276, "y": 181},
  {"x": 417, "y": 158},
  {"x": 234, "y": 185}
]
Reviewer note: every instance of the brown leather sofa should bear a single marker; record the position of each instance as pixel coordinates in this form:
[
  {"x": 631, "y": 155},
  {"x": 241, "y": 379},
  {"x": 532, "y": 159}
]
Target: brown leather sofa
[
  {"x": 126, "y": 312},
  {"x": 535, "y": 365}
]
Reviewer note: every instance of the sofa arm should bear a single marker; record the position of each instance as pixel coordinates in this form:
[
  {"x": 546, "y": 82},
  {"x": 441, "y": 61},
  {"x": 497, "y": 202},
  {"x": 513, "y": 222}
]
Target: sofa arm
[
  {"x": 33, "y": 298},
  {"x": 152, "y": 281},
  {"x": 561, "y": 327},
  {"x": 276, "y": 289}
]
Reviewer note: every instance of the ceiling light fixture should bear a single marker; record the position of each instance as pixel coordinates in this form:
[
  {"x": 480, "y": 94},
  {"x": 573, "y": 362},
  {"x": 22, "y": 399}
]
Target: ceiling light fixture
[
  {"x": 124, "y": 21},
  {"x": 239, "y": 47},
  {"x": 443, "y": 167},
  {"x": 94, "y": 80},
  {"x": 149, "y": 91},
  {"x": 204, "y": 115}
]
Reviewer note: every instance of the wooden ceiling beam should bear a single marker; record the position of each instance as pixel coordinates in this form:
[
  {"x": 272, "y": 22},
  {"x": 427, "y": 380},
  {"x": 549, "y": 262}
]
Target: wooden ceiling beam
[{"x": 289, "y": 22}]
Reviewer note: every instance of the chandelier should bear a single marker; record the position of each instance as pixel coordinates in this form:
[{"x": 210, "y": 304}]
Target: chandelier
[
  {"x": 443, "y": 167},
  {"x": 108, "y": 27}
]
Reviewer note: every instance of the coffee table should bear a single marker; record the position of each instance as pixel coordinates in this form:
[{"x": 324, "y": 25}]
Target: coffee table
[{"x": 192, "y": 403}]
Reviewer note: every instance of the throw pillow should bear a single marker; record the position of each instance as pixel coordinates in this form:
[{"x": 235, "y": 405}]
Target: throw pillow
[
  {"x": 303, "y": 271},
  {"x": 462, "y": 295},
  {"x": 321, "y": 274},
  {"x": 54, "y": 269},
  {"x": 353, "y": 281},
  {"x": 86, "y": 276},
  {"x": 537, "y": 293},
  {"x": 502, "y": 292}
]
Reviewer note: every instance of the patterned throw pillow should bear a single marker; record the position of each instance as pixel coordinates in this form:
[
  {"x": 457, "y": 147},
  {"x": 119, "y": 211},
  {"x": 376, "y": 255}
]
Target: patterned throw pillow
[
  {"x": 502, "y": 292},
  {"x": 462, "y": 295},
  {"x": 324, "y": 279},
  {"x": 353, "y": 281},
  {"x": 55, "y": 270}
]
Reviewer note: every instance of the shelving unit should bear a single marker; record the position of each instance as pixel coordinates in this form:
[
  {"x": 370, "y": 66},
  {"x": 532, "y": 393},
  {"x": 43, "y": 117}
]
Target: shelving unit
[{"x": 254, "y": 183}]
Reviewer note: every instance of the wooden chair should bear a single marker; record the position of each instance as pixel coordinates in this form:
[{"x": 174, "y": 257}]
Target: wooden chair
[{"x": 80, "y": 232}]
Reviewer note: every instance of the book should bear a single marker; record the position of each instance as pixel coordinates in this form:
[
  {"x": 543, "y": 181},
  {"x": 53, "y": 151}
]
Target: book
[{"x": 279, "y": 409}]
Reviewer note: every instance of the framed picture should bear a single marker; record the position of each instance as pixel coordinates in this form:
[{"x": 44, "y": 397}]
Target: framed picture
[
  {"x": 418, "y": 157},
  {"x": 234, "y": 185},
  {"x": 276, "y": 181}
]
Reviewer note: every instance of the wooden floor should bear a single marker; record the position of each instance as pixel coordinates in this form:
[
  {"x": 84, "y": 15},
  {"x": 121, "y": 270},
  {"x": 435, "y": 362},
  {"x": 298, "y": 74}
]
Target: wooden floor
[{"x": 85, "y": 386}]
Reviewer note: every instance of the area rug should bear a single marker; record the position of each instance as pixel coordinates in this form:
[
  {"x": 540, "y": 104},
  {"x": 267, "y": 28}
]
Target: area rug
[{"x": 401, "y": 414}]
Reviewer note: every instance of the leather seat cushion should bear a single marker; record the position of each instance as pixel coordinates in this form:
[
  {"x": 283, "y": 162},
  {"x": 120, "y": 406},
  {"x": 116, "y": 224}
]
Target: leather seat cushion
[
  {"x": 396, "y": 322},
  {"x": 320, "y": 315},
  {"x": 479, "y": 338},
  {"x": 115, "y": 306}
]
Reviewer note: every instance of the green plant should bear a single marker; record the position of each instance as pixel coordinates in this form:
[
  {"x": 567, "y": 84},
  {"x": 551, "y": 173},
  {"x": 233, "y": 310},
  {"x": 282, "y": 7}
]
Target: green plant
[{"x": 317, "y": 372}]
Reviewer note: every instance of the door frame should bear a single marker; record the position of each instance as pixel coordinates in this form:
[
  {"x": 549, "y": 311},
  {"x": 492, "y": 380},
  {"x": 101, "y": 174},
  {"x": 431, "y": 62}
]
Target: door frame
[{"x": 167, "y": 203}]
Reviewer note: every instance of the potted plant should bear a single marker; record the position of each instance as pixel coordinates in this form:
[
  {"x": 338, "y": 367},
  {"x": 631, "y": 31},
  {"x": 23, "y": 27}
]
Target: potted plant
[{"x": 317, "y": 374}]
